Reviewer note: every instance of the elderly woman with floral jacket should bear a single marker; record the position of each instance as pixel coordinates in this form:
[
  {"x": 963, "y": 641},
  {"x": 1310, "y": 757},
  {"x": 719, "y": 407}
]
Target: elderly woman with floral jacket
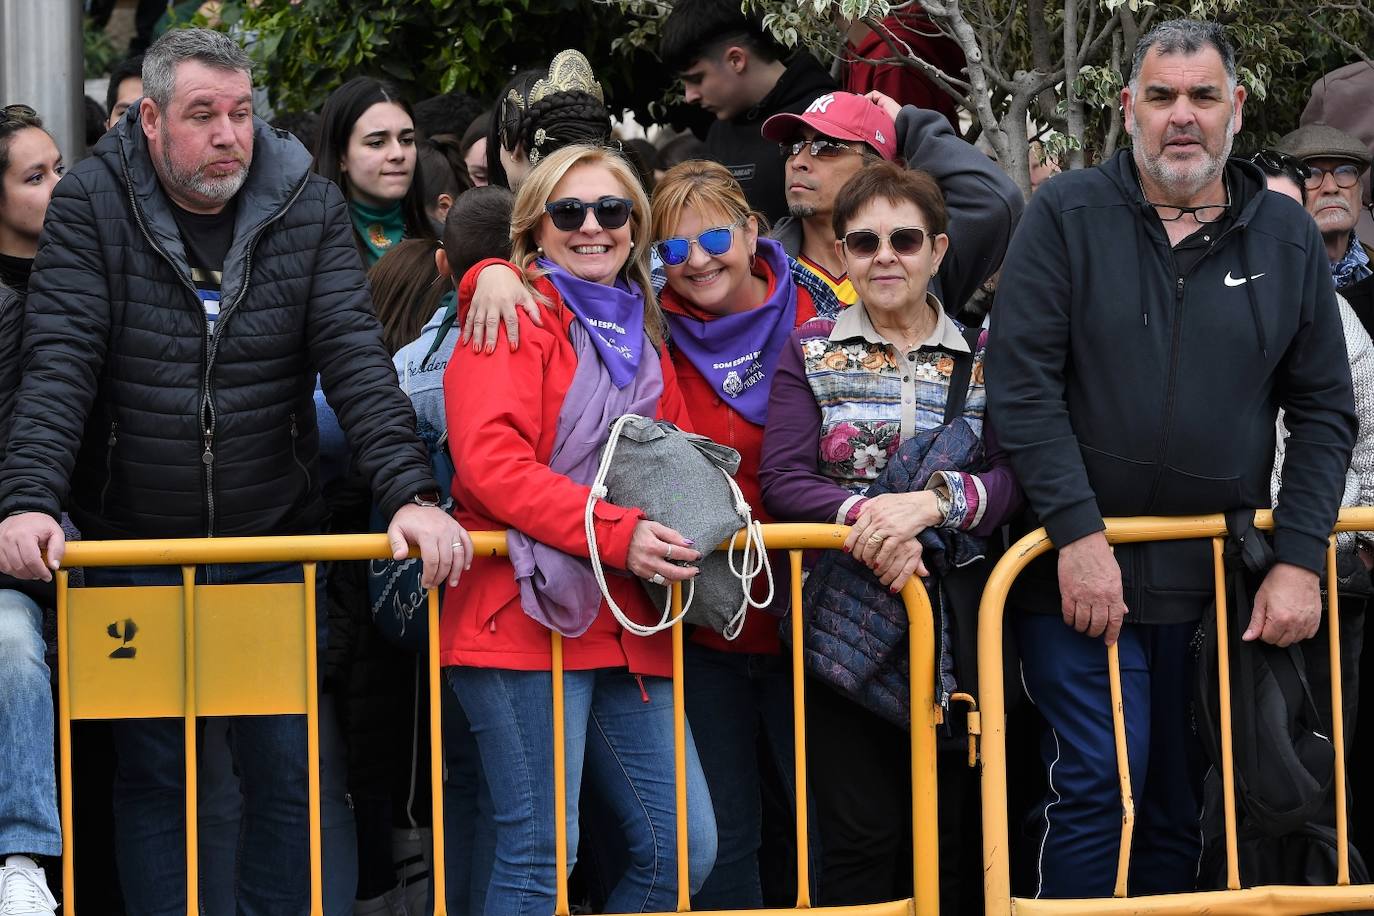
[{"x": 847, "y": 393}]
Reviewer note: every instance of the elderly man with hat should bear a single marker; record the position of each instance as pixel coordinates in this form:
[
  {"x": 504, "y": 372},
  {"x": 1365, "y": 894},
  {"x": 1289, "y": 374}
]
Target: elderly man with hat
[
  {"x": 1337, "y": 163},
  {"x": 837, "y": 135}
]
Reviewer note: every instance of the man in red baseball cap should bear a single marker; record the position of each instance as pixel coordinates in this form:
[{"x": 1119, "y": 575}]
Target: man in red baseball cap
[{"x": 838, "y": 134}]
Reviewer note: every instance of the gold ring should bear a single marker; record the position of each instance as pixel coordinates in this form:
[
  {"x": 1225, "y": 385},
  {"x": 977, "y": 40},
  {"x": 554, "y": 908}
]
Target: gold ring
[{"x": 877, "y": 538}]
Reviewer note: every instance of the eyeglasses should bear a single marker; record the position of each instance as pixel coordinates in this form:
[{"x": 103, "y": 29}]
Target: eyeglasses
[
  {"x": 1275, "y": 163},
  {"x": 864, "y": 243},
  {"x": 821, "y": 148},
  {"x": 569, "y": 213},
  {"x": 715, "y": 242},
  {"x": 1346, "y": 176}
]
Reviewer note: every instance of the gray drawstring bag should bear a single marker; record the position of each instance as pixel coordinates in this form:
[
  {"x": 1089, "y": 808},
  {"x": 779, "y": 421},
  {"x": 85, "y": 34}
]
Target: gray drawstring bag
[{"x": 684, "y": 481}]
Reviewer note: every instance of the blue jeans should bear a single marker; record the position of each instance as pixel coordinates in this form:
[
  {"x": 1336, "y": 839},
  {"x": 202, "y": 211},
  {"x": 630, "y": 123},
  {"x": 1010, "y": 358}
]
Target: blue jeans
[
  {"x": 28, "y": 782},
  {"x": 620, "y": 731},
  {"x": 469, "y": 835},
  {"x": 732, "y": 700},
  {"x": 1079, "y": 821},
  {"x": 272, "y": 871},
  {"x": 221, "y": 810}
]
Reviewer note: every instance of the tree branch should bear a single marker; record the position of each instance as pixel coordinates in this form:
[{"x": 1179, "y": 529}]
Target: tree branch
[
  {"x": 1115, "y": 125},
  {"x": 906, "y": 56},
  {"x": 1073, "y": 105}
]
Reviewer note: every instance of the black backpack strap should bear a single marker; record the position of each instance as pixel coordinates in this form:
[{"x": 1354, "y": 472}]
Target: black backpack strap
[{"x": 962, "y": 374}]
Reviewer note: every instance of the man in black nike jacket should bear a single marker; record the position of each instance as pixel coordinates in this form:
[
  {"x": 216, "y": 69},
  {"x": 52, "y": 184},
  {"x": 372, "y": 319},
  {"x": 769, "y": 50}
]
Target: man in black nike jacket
[{"x": 1153, "y": 315}]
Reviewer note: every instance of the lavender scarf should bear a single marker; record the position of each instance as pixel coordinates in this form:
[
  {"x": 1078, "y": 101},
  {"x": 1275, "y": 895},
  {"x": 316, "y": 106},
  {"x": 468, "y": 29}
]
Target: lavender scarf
[
  {"x": 738, "y": 353},
  {"x": 613, "y": 315},
  {"x": 557, "y": 589}
]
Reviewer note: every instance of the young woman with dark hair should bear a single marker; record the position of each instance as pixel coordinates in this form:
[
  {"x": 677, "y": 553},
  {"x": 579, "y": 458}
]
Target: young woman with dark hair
[
  {"x": 30, "y": 166},
  {"x": 367, "y": 148}
]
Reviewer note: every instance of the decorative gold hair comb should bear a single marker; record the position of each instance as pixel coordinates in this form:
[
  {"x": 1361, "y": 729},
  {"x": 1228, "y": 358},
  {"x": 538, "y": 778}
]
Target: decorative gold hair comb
[{"x": 569, "y": 71}]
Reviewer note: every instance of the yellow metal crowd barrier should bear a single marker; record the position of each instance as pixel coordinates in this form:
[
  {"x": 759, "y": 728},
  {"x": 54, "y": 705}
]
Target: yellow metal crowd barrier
[
  {"x": 216, "y": 650},
  {"x": 1268, "y": 900}
]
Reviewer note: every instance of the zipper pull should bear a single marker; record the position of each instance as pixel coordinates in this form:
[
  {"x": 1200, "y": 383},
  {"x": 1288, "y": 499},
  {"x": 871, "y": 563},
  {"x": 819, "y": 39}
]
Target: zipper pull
[
  {"x": 293, "y": 426},
  {"x": 114, "y": 437},
  {"x": 643, "y": 693},
  {"x": 209, "y": 457}
]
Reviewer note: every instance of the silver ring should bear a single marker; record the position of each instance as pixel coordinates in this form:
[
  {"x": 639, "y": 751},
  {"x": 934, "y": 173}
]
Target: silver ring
[
  {"x": 657, "y": 579},
  {"x": 456, "y": 544},
  {"x": 669, "y": 554}
]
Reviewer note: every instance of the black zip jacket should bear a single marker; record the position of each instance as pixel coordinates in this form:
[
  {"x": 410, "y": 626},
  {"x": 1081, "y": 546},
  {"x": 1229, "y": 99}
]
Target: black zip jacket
[
  {"x": 757, "y": 163},
  {"x": 1121, "y": 389},
  {"x": 145, "y": 426}
]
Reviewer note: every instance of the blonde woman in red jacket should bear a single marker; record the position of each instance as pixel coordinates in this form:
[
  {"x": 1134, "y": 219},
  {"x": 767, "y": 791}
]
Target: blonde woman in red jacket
[{"x": 526, "y": 427}]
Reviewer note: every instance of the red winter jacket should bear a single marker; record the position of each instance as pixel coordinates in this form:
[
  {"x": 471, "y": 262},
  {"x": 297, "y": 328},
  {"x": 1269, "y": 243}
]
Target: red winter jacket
[{"x": 502, "y": 410}]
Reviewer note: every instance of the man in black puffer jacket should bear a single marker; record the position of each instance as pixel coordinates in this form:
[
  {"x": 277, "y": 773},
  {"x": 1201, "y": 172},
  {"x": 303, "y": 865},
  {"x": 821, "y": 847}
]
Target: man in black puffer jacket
[{"x": 192, "y": 279}]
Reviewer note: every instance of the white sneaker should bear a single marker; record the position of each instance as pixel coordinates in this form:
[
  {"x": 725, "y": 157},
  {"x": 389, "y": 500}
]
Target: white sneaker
[{"x": 24, "y": 889}]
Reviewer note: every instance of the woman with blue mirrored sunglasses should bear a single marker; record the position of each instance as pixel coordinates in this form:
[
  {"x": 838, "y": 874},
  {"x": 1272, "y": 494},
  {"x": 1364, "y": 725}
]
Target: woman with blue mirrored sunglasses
[
  {"x": 732, "y": 301},
  {"x": 715, "y": 242}
]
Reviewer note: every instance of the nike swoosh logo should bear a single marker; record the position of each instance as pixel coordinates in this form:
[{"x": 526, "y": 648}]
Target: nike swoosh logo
[{"x": 1238, "y": 281}]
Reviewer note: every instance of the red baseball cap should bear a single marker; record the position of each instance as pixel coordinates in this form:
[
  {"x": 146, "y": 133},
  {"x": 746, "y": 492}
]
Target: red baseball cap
[{"x": 842, "y": 115}]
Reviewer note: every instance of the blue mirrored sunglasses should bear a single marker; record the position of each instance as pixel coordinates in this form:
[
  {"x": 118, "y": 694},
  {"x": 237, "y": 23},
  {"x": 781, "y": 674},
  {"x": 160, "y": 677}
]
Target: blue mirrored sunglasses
[{"x": 714, "y": 242}]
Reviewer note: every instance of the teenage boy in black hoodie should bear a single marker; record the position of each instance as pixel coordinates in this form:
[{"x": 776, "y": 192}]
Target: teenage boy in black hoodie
[
  {"x": 1154, "y": 313},
  {"x": 731, "y": 67}
]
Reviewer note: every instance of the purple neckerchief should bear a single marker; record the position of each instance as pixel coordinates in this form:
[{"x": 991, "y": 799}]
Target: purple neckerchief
[
  {"x": 738, "y": 353},
  {"x": 557, "y": 589},
  {"x": 613, "y": 314}
]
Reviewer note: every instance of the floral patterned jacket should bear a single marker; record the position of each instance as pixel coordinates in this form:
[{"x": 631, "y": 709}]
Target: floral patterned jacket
[{"x": 843, "y": 387}]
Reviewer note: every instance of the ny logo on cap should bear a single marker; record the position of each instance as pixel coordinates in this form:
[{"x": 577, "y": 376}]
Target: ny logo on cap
[{"x": 821, "y": 104}]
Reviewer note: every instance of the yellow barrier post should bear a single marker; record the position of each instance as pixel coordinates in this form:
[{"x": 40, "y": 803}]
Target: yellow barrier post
[
  {"x": 560, "y": 780},
  {"x": 1123, "y": 770},
  {"x": 1337, "y": 715},
  {"x": 925, "y": 821},
  {"x": 1228, "y": 753},
  {"x": 312, "y": 739},
  {"x": 188, "y": 629},
  {"x": 684, "y": 887},
  {"x": 436, "y": 757},
  {"x": 64, "y": 747},
  {"x": 794, "y": 559}
]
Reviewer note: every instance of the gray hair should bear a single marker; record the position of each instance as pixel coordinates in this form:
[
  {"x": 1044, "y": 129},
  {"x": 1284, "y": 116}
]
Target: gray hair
[
  {"x": 1177, "y": 36},
  {"x": 214, "y": 49}
]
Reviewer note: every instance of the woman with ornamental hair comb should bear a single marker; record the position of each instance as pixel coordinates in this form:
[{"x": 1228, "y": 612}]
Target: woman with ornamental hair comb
[{"x": 540, "y": 113}]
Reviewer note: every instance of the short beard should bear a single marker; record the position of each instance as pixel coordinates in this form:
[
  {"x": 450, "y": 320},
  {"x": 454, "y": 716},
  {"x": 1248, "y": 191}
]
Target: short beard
[
  {"x": 1181, "y": 182},
  {"x": 802, "y": 211},
  {"x": 194, "y": 184}
]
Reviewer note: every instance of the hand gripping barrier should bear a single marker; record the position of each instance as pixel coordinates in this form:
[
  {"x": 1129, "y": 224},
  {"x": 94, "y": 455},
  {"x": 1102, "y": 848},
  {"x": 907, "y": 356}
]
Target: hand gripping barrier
[
  {"x": 216, "y": 650},
  {"x": 1273, "y": 900}
]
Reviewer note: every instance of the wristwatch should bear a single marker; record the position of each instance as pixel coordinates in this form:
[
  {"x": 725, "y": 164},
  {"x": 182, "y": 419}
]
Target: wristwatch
[
  {"x": 429, "y": 499},
  {"x": 943, "y": 504}
]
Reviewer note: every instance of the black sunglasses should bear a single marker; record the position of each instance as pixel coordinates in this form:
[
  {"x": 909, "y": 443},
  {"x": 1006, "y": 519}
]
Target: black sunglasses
[
  {"x": 1272, "y": 162},
  {"x": 821, "y": 148},
  {"x": 569, "y": 213},
  {"x": 864, "y": 243}
]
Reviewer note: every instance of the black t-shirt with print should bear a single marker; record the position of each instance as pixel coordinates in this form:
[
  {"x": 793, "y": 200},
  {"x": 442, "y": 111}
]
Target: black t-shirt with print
[{"x": 208, "y": 238}]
